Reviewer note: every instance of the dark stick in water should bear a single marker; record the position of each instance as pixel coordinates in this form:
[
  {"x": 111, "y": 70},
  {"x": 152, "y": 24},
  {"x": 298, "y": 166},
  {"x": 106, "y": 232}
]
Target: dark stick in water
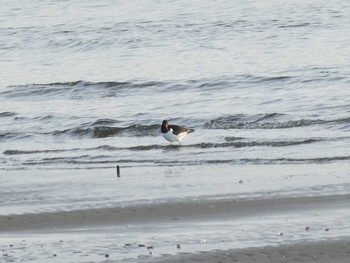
[{"x": 118, "y": 170}]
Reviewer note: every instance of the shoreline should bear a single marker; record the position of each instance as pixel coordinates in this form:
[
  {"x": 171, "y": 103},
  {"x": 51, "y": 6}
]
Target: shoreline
[
  {"x": 337, "y": 251},
  {"x": 206, "y": 210}
]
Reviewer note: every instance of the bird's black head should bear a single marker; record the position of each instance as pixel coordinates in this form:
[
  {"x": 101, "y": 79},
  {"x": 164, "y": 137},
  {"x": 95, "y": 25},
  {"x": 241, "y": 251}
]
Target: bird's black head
[{"x": 165, "y": 126}]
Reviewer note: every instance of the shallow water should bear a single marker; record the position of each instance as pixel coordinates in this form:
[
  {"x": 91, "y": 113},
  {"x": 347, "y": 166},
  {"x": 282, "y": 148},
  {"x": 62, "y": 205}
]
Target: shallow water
[{"x": 85, "y": 85}]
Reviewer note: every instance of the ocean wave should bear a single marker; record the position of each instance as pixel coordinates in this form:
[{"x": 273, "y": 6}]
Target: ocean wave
[
  {"x": 239, "y": 144},
  {"x": 103, "y": 128},
  {"x": 75, "y": 89},
  {"x": 20, "y": 152},
  {"x": 104, "y": 122},
  {"x": 265, "y": 121},
  {"x": 264, "y": 161},
  {"x": 100, "y": 128},
  {"x": 109, "y": 131},
  {"x": 23, "y": 152},
  {"x": 13, "y": 135},
  {"x": 295, "y": 25},
  {"x": 7, "y": 114},
  {"x": 90, "y": 162},
  {"x": 229, "y": 142},
  {"x": 84, "y": 89}
]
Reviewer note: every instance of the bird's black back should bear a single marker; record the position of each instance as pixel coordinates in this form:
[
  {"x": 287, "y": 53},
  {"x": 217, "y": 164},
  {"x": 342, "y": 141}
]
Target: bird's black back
[{"x": 179, "y": 129}]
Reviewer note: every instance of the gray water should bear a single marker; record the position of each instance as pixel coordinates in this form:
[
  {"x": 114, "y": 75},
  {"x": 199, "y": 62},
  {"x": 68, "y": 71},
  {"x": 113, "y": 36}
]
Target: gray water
[{"x": 85, "y": 86}]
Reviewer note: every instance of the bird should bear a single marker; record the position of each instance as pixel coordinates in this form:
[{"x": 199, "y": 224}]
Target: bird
[{"x": 173, "y": 133}]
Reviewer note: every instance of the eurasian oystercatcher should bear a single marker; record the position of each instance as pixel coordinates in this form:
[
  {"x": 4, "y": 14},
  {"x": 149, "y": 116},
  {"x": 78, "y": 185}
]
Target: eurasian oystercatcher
[{"x": 173, "y": 133}]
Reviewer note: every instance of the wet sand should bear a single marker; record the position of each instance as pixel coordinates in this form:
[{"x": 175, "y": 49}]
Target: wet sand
[
  {"x": 319, "y": 252},
  {"x": 164, "y": 212},
  {"x": 39, "y": 227}
]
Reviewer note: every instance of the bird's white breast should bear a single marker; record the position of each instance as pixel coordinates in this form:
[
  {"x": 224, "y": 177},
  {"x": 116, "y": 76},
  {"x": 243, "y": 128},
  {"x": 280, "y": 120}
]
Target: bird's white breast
[{"x": 169, "y": 136}]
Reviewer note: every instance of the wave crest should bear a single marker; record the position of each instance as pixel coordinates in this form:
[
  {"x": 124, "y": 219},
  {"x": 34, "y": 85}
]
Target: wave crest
[
  {"x": 264, "y": 121},
  {"x": 74, "y": 89},
  {"x": 109, "y": 131}
]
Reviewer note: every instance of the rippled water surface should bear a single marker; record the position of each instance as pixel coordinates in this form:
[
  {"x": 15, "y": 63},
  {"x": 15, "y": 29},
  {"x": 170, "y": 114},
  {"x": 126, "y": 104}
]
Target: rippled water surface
[
  {"x": 238, "y": 119},
  {"x": 85, "y": 85}
]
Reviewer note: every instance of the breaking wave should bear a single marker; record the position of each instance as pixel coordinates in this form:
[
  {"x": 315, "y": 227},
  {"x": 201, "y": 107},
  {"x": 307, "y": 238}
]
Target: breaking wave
[
  {"x": 265, "y": 121},
  {"x": 109, "y": 131}
]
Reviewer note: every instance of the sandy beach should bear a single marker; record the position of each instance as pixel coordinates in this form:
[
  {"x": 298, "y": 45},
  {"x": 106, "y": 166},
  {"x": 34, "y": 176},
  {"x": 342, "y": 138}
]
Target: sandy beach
[
  {"x": 44, "y": 234},
  {"x": 320, "y": 252}
]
